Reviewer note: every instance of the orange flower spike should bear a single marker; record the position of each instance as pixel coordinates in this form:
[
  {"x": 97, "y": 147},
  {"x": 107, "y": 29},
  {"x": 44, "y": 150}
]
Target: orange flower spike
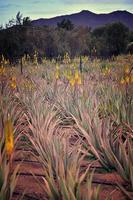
[
  {"x": 122, "y": 81},
  {"x": 13, "y": 83},
  {"x": 131, "y": 79},
  {"x": 127, "y": 79},
  {"x": 72, "y": 82},
  {"x": 9, "y": 139},
  {"x": 2, "y": 70},
  {"x": 57, "y": 73},
  {"x": 79, "y": 82},
  {"x": 76, "y": 75},
  {"x": 126, "y": 69}
]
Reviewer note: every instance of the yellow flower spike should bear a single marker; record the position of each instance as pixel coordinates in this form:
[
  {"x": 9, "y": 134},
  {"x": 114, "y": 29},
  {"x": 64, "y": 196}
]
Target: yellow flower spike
[
  {"x": 79, "y": 82},
  {"x": 126, "y": 69},
  {"x": 5, "y": 62},
  {"x": 122, "y": 81},
  {"x": 131, "y": 78},
  {"x": 13, "y": 78},
  {"x": 13, "y": 83},
  {"x": 72, "y": 82},
  {"x": 68, "y": 77},
  {"x": 109, "y": 71},
  {"x": 65, "y": 73},
  {"x": 57, "y": 66},
  {"x": 69, "y": 72},
  {"x": 2, "y": 70},
  {"x": 76, "y": 75},
  {"x": 127, "y": 79},
  {"x": 9, "y": 139},
  {"x": 75, "y": 66},
  {"x": 35, "y": 58},
  {"x": 104, "y": 73},
  {"x": 106, "y": 69},
  {"x": 57, "y": 74},
  {"x": 3, "y": 58}
]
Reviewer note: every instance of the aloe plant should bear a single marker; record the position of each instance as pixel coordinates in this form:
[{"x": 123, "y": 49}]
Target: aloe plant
[
  {"x": 61, "y": 161},
  {"x": 103, "y": 139},
  {"x": 8, "y": 180}
]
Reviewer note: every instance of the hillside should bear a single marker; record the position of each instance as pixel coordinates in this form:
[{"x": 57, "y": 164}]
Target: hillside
[{"x": 87, "y": 18}]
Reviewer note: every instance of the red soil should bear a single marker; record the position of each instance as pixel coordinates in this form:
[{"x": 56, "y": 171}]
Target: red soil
[{"x": 28, "y": 184}]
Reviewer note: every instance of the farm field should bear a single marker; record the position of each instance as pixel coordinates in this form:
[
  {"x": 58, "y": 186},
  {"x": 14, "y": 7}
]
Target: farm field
[{"x": 66, "y": 129}]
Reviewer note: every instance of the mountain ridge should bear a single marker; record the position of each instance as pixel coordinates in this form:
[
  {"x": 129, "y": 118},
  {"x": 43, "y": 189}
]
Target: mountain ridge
[{"x": 89, "y": 19}]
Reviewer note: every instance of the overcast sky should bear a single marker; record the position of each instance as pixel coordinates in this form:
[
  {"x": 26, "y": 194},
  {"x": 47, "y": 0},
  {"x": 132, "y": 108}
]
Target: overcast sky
[{"x": 49, "y": 8}]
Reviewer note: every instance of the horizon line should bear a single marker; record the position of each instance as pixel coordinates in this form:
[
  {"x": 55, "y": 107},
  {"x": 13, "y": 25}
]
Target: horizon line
[{"x": 97, "y": 13}]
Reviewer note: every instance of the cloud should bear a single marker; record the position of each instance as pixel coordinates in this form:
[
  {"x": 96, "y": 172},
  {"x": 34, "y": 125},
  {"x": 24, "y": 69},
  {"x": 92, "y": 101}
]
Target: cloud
[
  {"x": 128, "y": 1},
  {"x": 42, "y": 2},
  {"x": 8, "y": 6},
  {"x": 45, "y": 12},
  {"x": 36, "y": 2},
  {"x": 90, "y": 1}
]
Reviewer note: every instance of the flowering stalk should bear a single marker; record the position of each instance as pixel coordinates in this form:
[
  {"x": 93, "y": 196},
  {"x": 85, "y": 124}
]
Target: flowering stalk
[{"x": 9, "y": 139}]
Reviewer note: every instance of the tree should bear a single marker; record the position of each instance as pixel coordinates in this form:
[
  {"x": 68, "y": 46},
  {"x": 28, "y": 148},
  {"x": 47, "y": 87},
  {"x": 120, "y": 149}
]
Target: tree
[
  {"x": 99, "y": 32},
  {"x": 19, "y": 18},
  {"x": 116, "y": 38},
  {"x": 21, "y": 37},
  {"x": 14, "y": 40},
  {"x": 111, "y": 39},
  {"x": 1, "y": 27},
  {"x": 99, "y": 41},
  {"x": 65, "y": 24},
  {"x": 130, "y": 36},
  {"x": 26, "y": 21},
  {"x": 78, "y": 40},
  {"x": 10, "y": 23},
  {"x": 130, "y": 48}
]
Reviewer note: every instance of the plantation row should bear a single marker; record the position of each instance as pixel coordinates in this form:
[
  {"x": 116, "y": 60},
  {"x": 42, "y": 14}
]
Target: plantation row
[{"x": 73, "y": 118}]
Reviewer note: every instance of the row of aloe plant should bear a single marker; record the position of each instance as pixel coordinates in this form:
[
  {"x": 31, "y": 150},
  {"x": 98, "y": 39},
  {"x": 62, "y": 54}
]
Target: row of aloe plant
[
  {"x": 104, "y": 137},
  {"x": 10, "y": 133},
  {"x": 62, "y": 162},
  {"x": 108, "y": 137},
  {"x": 50, "y": 127}
]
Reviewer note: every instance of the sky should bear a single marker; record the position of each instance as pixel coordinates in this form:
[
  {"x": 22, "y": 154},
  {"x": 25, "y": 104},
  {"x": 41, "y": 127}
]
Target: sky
[{"x": 49, "y": 8}]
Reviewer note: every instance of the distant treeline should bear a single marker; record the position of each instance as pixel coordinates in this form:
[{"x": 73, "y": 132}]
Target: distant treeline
[{"x": 20, "y": 37}]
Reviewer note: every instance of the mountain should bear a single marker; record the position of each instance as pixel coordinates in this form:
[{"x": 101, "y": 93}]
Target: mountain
[{"x": 90, "y": 19}]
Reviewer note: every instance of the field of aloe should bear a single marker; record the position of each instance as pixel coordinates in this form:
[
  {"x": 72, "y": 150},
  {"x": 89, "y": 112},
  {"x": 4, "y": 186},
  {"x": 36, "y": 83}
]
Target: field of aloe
[{"x": 66, "y": 129}]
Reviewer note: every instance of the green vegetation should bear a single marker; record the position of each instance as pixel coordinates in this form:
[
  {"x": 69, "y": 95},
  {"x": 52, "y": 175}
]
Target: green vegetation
[{"x": 21, "y": 37}]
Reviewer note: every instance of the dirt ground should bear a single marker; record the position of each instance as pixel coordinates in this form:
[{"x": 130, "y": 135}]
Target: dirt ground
[{"x": 29, "y": 184}]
